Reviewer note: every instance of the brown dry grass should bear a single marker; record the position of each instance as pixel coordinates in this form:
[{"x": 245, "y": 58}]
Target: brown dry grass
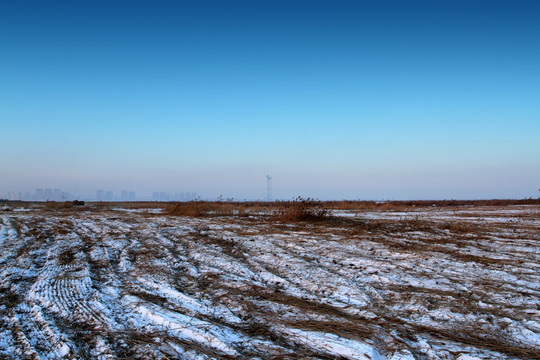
[
  {"x": 261, "y": 305},
  {"x": 301, "y": 210},
  {"x": 407, "y": 205},
  {"x": 285, "y": 211},
  {"x": 296, "y": 210}
]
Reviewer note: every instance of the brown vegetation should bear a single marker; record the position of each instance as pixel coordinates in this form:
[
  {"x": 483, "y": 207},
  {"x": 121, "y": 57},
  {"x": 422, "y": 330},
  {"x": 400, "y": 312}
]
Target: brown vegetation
[{"x": 450, "y": 278}]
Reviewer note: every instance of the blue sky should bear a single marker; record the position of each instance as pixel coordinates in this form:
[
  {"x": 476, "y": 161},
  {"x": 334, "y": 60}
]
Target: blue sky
[{"x": 335, "y": 99}]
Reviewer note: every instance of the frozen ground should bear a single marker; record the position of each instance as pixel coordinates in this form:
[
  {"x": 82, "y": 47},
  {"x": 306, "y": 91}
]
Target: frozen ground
[{"x": 429, "y": 284}]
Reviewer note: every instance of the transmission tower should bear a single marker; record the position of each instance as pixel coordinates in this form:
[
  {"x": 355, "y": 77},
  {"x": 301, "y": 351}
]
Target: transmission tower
[{"x": 268, "y": 188}]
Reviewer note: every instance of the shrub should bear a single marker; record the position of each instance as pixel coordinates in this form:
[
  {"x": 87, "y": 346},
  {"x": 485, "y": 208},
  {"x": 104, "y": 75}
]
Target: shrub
[
  {"x": 194, "y": 208},
  {"x": 301, "y": 209}
]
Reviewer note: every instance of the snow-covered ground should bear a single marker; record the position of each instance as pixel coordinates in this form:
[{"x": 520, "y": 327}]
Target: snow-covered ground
[{"x": 426, "y": 284}]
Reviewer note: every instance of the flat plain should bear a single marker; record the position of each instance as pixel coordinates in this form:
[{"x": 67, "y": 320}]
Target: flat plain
[{"x": 241, "y": 281}]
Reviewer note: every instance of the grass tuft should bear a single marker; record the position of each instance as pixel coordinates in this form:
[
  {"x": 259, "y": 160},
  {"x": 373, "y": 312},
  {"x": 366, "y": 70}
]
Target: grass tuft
[{"x": 301, "y": 209}]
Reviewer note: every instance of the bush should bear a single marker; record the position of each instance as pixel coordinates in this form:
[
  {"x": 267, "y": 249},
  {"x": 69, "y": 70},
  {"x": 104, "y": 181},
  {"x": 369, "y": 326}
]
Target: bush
[
  {"x": 195, "y": 208},
  {"x": 301, "y": 209}
]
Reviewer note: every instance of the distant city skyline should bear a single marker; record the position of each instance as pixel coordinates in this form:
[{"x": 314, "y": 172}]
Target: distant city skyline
[
  {"x": 335, "y": 99},
  {"x": 56, "y": 194},
  {"x": 40, "y": 194}
]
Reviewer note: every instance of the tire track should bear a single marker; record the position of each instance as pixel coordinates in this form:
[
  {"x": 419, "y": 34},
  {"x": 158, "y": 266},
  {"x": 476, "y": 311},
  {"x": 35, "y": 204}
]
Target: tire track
[{"x": 114, "y": 285}]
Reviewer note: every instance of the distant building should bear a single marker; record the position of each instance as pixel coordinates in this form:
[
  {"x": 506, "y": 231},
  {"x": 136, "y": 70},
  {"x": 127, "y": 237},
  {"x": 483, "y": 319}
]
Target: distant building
[
  {"x": 100, "y": 195},
  {"x": 48, "y": 194},
  {"x": 131, "y": 196},
  {"x": 124, "y": 195},
  {"x": 39, "y": 195},
  {"x": 179, "y": 196}
]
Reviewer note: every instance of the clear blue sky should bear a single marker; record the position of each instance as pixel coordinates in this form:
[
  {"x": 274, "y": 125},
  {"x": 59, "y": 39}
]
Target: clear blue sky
[{"x": 335, "y": 99}]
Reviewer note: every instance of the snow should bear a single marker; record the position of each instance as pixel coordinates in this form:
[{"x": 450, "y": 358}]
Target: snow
[
  {"x": 172, "y": 323},
  {"x": 137, "y": 283},
  {"x": 402, "y": 355},
  {"x": 467, "y": 357},
  {"x": 146, "y": 210},
  {"x": 334, "y": 345}
]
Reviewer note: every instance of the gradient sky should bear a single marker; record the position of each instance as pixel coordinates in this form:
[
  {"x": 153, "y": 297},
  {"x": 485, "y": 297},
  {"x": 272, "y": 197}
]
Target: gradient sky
[{"x": 335, "y": 99}]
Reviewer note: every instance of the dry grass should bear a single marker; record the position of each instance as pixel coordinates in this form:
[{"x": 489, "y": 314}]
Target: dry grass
[
  {"x": 192, "y": 255},
  {"x": 191, "y": 208},
  {"x": 301, "y": 210},
  {"x": 285, "y": 211},
  {"x": 407, "y": 205}
]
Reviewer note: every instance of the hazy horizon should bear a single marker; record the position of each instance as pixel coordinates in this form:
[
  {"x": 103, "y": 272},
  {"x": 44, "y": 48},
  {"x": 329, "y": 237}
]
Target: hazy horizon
[{"x": 335, "y": 100}]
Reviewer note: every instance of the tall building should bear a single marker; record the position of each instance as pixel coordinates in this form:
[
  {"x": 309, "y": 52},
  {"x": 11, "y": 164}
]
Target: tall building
[
  {"x": 48, "y": 194},
  {"x": 124, "y": 195},
  {"x": 100, "y": 195},
  {"x": 39, "y": 195}
]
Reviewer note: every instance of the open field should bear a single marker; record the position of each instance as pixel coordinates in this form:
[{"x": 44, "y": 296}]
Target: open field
[{"x": 300, "y": 280}]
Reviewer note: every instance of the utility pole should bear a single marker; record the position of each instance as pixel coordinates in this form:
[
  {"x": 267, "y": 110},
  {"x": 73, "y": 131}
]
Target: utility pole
[{"x": 268, "y": 188}]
